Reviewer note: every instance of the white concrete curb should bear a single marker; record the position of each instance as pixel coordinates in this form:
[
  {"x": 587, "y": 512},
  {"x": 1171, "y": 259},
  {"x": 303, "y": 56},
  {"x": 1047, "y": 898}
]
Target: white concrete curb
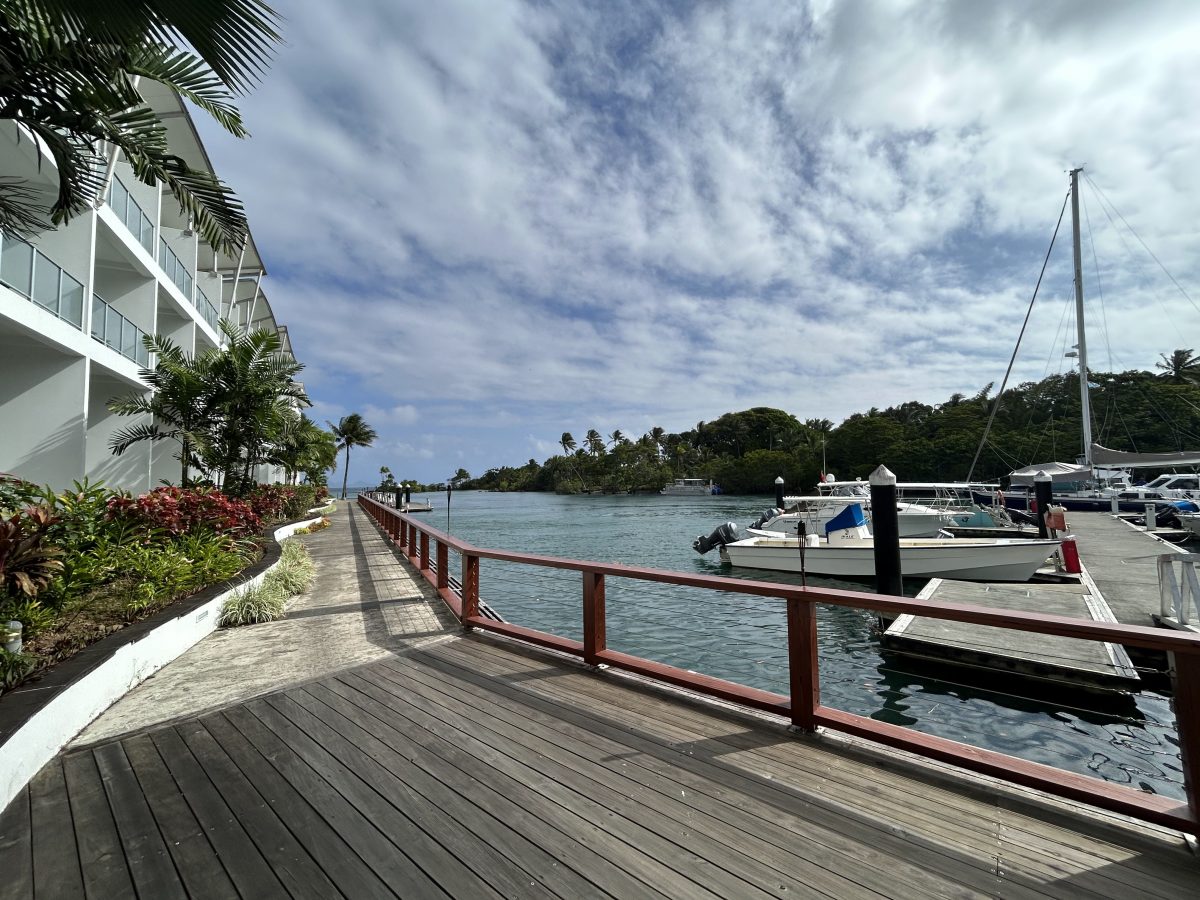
[{"x": 50, "y": 729}]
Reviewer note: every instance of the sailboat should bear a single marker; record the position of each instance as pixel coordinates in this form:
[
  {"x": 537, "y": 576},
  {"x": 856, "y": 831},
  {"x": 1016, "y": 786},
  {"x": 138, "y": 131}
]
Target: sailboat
[{"x": 1088, "y": 488}]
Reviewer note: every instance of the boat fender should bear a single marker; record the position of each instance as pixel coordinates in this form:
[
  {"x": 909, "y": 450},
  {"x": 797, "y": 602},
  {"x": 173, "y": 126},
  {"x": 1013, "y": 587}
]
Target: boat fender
[{"x": 721, "y": 535}]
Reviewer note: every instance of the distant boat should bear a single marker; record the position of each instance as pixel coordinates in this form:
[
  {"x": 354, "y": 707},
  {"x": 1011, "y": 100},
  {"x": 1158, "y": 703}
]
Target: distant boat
[
  {"x": 814, "y": 513},
  {"x": 690, "y": 487},
  {"x": 848, "y": 551}
]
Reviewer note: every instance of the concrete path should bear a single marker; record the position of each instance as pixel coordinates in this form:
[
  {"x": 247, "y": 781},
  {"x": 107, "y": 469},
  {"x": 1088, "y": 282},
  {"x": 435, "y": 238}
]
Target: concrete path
[{"x": 364, "y": 605}]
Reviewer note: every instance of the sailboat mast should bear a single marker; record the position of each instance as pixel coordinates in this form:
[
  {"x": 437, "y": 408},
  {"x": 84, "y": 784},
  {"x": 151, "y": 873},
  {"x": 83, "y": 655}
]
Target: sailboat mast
[{"x": 1084, "y": 399}]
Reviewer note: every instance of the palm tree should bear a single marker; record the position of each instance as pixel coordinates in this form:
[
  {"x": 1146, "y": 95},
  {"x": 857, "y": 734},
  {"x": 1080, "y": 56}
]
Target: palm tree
[
  {"x": 658, "y": 436},
  {"x": 71, "y": 75},
  {"x": 567, "y": 443},
  {"x": 1181, "y": 367},
  {"x": 303, "y": 446},
  {"x": 255, "y": 397},
  {"x": 352, "y": 431},
  {"x": 595, "y": 443},
  {"x": 617, "y": 438},
  {"x": 180, "y": 404}
]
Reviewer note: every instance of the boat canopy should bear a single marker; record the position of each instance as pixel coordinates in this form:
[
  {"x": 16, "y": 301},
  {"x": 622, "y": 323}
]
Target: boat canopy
[
  {"x": 1059, "y": 473},
  {"x": 1102, "y": 456}
]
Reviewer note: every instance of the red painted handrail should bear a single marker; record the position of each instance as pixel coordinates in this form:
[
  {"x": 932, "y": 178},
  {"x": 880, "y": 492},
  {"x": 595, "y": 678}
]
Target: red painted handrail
[{"x": 804, "y": 707}]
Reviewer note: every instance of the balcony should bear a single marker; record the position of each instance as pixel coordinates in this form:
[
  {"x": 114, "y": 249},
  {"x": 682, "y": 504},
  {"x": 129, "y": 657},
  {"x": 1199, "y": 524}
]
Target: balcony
[
  {"x": 129, "y": 212},
  {"x": 32, "y": 274},
  {"x": 113, "y": 330},
  {"x": 175, "y": 269},
  {"x": 207, "y": 311}
]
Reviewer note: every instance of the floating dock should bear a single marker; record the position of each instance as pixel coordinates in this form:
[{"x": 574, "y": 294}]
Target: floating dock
[
  {"x": 1119, "y": 584},
  {"x": 1066, "y": 660}
]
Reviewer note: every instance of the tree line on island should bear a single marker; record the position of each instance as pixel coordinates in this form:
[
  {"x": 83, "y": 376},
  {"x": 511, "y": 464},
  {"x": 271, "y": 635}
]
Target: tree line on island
[{"x": 745, "y": 451}]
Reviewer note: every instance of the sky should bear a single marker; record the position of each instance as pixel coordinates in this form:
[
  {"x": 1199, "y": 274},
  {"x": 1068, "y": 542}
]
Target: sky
[{"x": 487, "y": 223}]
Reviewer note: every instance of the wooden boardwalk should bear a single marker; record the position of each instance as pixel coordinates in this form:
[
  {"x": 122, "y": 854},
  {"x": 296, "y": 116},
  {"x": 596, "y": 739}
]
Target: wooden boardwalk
[
  {"x": 480, "y": 768},
  {"x": 1059, "y": 659},
  {"x": 1122, "y": 562}
]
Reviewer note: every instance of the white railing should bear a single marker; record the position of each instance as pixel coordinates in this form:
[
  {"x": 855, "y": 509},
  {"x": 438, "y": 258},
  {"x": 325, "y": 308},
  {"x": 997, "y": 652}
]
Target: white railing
[{"x": 1179, "y": 597}]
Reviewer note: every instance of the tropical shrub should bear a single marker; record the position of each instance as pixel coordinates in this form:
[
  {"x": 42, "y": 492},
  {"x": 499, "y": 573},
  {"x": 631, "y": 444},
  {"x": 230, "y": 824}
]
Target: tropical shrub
[
  {"x": 178, "y": 510},
  {"x": 33, "y": 616},
  {"x": 295, "y": 570},
  {"x": 14, "y": 668},
  {"x": 27, "y": 560}
]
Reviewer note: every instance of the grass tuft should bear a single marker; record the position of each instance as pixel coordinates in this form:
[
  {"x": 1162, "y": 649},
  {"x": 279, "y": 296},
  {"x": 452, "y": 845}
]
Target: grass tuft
[{"x": 265, "y": 601}]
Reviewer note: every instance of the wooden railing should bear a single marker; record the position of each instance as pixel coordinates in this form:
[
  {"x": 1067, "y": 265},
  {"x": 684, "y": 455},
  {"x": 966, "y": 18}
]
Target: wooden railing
[{"x": 803, "y": 707}]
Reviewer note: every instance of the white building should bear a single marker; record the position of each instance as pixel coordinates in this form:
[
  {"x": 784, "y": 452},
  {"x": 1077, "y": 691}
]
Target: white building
[{"x": 76, "y": 301}]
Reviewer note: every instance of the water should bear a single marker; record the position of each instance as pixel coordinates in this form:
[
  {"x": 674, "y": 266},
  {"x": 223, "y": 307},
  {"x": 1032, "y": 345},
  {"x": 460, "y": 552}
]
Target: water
[{"x": 1126, "y": 739}]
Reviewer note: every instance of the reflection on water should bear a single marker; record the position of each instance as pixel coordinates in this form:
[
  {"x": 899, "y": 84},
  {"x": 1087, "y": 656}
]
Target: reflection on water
[{"x": 1128, "y": 739}]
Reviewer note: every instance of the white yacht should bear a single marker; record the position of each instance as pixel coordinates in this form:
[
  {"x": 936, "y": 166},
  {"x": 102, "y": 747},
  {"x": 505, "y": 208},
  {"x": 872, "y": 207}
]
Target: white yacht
[{"x": 690, "y": 487}]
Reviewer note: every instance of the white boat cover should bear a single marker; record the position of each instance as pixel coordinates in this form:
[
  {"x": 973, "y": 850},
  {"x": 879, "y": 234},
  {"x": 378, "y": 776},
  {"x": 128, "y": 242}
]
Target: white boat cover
[
  {"x": 1059, "y": 473},
  {"x": 1102, "y": 456}
]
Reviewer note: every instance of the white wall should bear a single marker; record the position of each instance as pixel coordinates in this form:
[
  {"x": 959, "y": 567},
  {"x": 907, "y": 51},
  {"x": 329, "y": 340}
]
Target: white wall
[
  {"x": 42, "y": 397},
  {"x": 130, "y": 470}
]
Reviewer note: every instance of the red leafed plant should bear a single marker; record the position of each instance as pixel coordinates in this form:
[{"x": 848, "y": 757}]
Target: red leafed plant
[
  {"x": 180, "y": 510},
  {"x": 27, "y": 563}
]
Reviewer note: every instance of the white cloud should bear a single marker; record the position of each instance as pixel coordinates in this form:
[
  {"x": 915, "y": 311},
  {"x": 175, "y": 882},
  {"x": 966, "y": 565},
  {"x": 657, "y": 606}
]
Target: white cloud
[{"x": 506, "y": 220}]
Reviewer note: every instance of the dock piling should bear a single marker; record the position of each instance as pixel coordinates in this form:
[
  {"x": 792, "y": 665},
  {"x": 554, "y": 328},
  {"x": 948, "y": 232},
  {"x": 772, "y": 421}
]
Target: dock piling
[
  {"x": 1042, "y": 486},
  {"x": 779, "y": 491},
  {"x": 885, "y": 526}
]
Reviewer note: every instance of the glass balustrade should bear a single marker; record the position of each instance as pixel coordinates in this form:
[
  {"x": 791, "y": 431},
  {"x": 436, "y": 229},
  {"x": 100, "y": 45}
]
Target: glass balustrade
[
  {"x": 132, "y": 214},
  {"x": 175, "y": 269},
  {"x": 32, "y": 274},
  {"x": 207, "y": 310},
  {"x": 113, "y": 330}
]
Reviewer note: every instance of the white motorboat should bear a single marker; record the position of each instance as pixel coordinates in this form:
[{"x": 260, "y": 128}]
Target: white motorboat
[
  {"x": 814, "y": 513},
  {"x": 690, "y": 487},
  {"x": 848, "y": 551},
  {"x": 1190, "y": 521}
]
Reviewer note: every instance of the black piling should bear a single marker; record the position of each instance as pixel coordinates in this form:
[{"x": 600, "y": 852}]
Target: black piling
[
  {"x": 399, "y": 496},
  {"x": 779, "y": 492},
  {"x": 1043, "y": 494},
  {"x": 885, "y": 526}
]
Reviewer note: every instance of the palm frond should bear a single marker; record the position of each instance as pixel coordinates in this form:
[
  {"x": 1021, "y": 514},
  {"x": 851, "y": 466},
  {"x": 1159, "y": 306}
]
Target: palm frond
[
  {"x": 127, "y": 437},
  {"x": 192, "y": 79},
  {"x": 235, "y": 37}
]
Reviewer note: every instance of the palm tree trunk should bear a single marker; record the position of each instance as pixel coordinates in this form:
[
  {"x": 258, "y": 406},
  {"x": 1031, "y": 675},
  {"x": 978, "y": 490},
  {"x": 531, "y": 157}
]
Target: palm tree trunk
[
  {"x": 346, "y": 472},
  {"x": 184, "y": 454}
]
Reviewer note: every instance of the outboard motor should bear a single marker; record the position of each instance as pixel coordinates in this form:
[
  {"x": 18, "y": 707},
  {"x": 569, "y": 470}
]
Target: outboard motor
[
  {"x": 722, "y": 535},
  {"x": 767, "y": 516}
]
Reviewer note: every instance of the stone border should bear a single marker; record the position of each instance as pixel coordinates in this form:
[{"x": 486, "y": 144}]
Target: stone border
[{"x": 39, "y": 718}]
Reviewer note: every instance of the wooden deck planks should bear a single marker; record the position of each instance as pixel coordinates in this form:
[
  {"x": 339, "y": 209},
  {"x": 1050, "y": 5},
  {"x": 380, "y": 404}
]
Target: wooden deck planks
[
  {"x": 479, "y": 768},
  {"x": 950, "y": 817},
  {"x": 757, "y": 830},
  {"x": 16, "y": 849}
]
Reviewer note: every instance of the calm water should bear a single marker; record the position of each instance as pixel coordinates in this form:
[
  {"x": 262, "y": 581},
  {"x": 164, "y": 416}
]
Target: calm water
[{"x": 1131, "y": 741}]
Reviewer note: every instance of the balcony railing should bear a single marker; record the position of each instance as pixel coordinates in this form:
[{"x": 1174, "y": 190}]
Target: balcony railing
[
  {"x": 129, "y": 212},
  {"x": 31, "y": 273},
  {"x": 208, "y": 312},
  {"x": 175, "y": 269},
  {"x": 113, "y": 330}
]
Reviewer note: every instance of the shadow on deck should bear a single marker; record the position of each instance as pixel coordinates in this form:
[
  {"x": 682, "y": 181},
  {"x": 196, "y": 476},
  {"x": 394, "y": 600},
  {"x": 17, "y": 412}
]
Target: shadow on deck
[{"x": 479, "y": 768}]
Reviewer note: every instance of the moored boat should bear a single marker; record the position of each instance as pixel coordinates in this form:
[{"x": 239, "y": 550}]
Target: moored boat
[
  {"x": 690, "y": 487},
  {"x": 848, "y": 551}
]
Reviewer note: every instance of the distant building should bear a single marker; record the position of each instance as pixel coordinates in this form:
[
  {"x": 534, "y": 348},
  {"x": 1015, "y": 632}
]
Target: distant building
[{"x": 75, "y": 303}]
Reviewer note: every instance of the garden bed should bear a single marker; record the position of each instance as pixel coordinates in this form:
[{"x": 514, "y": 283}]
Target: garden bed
[{"x": 38, "y": 718}]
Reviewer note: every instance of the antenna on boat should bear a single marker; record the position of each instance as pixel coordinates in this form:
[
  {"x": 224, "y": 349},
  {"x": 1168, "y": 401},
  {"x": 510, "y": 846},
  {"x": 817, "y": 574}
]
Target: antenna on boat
[{"x": 1084, "y": 398}]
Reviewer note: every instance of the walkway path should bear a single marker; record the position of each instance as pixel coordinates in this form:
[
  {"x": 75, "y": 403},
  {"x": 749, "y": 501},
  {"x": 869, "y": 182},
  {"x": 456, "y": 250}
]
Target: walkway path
[{"x": 363, "y": 606}]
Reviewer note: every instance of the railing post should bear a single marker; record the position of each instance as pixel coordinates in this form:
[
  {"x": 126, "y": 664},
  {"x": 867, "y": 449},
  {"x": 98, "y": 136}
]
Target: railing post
[
  {"x": 594, "y": 634},
  {"x": 443, "y": 563},
  {"x": 1185, "y": 682},
  {"x": 424, "y": 552},
  {"x": 470, "y": 586},
  {"x": 803, "y": 664}
]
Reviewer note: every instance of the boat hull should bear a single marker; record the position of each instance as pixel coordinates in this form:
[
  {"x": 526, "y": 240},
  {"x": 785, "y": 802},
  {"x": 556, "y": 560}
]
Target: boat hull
[{"x": 967, "y": 560}]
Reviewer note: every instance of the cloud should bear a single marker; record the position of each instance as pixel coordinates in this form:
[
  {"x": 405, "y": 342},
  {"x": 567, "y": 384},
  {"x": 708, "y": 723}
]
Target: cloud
[{"x": 501, "y": 221}]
